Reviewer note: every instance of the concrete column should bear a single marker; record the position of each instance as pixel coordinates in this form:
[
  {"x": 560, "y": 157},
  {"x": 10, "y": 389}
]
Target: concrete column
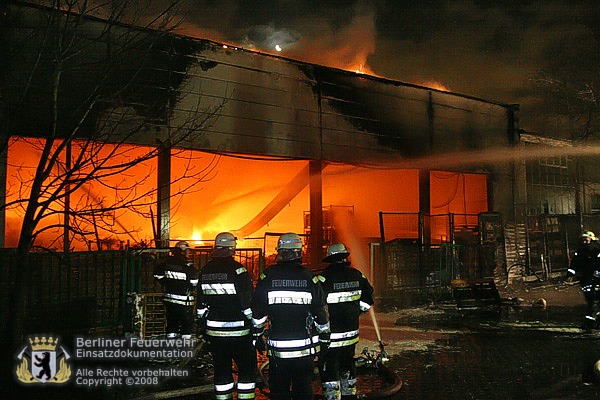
[
  {"x": 425, "y": 204},
  {"x": 519, "y": 192},
  {"x": 316, "y": 212},
  {"x": 163, "y": 201}
]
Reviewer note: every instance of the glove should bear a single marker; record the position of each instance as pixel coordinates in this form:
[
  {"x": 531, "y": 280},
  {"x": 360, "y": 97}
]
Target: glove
[{"x": 259, "y": 344}]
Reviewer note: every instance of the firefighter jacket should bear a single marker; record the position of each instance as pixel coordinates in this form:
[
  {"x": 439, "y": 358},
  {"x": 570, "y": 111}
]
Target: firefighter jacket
[
  {"x": 224, "y": 296},
  {"x": 348, "y": 293},
  {"x": 179, "y": 279},
  {"x": 291, "y": 298},
  {"x": 585, "y": 265}
]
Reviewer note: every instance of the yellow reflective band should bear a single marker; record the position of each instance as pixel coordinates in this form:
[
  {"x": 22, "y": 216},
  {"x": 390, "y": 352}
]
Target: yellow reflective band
[
  {"x": 292, "y": 354},
  {"x": 321, "y": 278},
  {"x": 262, "y": 275},
  {"x": 344, "y": 335},
  {"x": 343, "y": 297},
  {"x": 293, "y": 342},
  {"x": 242, "y": 332},
  {"x": 240, "y": 270},
  {"x": 225, "y": 324},
  {"x": 289, "y": 297},
  {"x": 342, "y": 343}
]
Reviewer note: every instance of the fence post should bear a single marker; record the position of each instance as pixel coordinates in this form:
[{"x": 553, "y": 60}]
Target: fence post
[
  {"x": 381, "y": 227},
  {"x": 451, "y": 227}
]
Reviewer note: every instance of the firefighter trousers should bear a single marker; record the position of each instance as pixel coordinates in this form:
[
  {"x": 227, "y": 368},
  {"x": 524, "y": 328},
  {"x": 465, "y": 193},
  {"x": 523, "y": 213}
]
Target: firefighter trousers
[
  {"x": 180, "y": 319},
  {"x": 592, "y": 315},
  {"x": 294, "y": 372},
  {"x": 338, "y": 366},
  {"x": 240, "y": 350}
]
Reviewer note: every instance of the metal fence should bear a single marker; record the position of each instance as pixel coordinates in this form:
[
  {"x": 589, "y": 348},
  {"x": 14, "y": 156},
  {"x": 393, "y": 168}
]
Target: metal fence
[
  {"x": 407, "y": 267},
  {"x": 541, "y": 246},
  {"x": 72, "y": 292},
  {"x": 85, "y": 292}
]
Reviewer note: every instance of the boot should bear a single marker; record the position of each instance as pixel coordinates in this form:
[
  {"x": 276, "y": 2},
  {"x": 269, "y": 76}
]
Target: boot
[
  {"x": 348, "y": 385},
  {"x": 331, "y": 390}
]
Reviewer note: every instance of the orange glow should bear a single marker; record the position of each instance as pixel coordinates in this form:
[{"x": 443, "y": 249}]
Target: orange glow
[
  {"x": 23, "y": 157},
  {"x": 238, "y": 189},
  {"x": 458, "y": 193},
  {"x": 362, "y": 69},
  {"x": 435, "y": 85}
]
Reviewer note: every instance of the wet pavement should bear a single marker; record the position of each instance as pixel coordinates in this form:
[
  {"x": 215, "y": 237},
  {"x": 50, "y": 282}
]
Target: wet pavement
[
  {"x": 518, "y": 359},
  {"x": 523, "y": 352}
]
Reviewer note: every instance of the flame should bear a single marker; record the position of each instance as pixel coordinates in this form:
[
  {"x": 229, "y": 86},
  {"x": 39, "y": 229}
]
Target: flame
[
  {"x": 362, "y": 69},
  {"x": 435, "y": 85},
  {"x": 221, "y": 205},
  {"x": 197, "y": 238}
]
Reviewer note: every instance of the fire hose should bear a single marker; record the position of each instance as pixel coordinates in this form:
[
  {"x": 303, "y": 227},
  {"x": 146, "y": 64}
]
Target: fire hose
[{"x": 371, "y": 359}]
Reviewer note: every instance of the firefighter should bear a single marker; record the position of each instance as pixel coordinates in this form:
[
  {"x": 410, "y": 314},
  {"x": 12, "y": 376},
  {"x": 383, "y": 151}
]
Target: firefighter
[
  {"x": 585, "y": 267},
  {"x": 224, "y": 310},
  {"x": 178, "y": 278},
  {"x": 349, "y": 294},
  {"x": 290, "y": 297}
]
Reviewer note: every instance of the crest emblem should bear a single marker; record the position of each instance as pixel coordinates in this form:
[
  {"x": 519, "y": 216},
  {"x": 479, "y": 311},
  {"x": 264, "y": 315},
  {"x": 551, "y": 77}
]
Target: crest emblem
[{"x": 43, "y": 361}]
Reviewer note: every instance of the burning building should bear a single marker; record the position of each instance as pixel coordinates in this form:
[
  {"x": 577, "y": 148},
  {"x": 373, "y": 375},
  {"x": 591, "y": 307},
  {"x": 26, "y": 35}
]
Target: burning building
[{"x": 224, "y": 138}]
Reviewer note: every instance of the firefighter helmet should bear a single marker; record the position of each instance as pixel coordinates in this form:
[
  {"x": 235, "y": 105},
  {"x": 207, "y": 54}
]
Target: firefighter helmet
[
  {"x": 182, "y": 246},
  {"x": 289, "y": 247},
  {"x": 289, "y": 241},
  {"x": 589, "y": 235},
  {"x": 225, "y": 239},
  {"x": 336, "y": 252}
]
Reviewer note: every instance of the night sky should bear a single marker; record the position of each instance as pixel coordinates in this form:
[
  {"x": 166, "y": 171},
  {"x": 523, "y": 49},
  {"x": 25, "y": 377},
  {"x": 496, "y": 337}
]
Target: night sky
[{"x": 486, "y": 49}]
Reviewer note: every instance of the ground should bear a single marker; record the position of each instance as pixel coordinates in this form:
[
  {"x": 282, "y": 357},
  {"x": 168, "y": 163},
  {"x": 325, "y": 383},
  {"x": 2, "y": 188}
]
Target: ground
[{"x": 532, "y": 348}]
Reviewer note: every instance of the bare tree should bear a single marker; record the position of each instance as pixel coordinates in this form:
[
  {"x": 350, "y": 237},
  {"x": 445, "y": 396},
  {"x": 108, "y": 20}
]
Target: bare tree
[
  {"x": 86, "y": 84},
  {"x": 573, "y": 97}
]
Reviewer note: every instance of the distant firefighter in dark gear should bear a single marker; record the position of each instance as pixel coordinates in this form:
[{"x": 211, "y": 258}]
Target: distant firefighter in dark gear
[
  {"x": 179, "y": 279},
  {"x": 348, "y": 294},
  {"x": 224, "y": 310},
  {"x": 290, "y": 297},
  {"x": 585, "y": 267}
]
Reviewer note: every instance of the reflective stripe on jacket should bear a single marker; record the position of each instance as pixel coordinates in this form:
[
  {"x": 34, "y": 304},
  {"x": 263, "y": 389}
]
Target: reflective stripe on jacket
[
  {"x": 291, "y": 298},
  {"x": 349, "y": 293},
  {"x": 178, "y": 279},
  {"x": 224, "y": 296}
]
